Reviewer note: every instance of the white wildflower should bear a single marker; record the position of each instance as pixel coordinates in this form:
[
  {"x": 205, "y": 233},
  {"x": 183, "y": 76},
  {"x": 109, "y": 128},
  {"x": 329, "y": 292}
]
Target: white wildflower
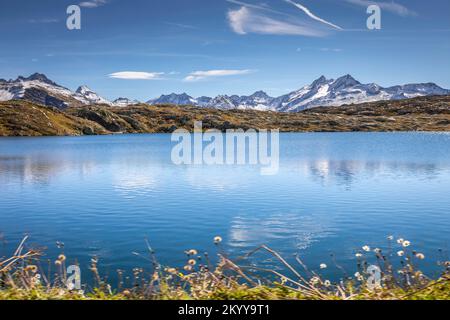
[
  {"x": 315, "y": 280},
  {"x": 420, "y": 256}
]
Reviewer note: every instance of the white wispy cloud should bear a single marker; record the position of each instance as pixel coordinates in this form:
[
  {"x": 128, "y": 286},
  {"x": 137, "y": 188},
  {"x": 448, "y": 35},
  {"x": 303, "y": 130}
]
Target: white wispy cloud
[
  {"x": 45, "y": 20},
  {"x": 181, "y": 25},
  {"x": 93, "y": 3},
  {"x": 312, "y": 15},
  {"x": 200, "y": 75},
  {"x": 248, "y": 20},
  {"x": 331, "y": 49},
  {"x": 134, "y": 75},
  {"x": 263, "y": 6},
  {"x": 392, "y": 7}
]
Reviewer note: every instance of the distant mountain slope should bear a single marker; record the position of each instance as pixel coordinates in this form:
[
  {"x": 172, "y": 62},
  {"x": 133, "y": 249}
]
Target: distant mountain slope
[
  {"x": 124, "y": 102},
  {"x": 346, "y": 90},
  {"x": 176, "y": 99},
  {"x": 322, "y": 92},
  {"x": 39, "y": 89}
]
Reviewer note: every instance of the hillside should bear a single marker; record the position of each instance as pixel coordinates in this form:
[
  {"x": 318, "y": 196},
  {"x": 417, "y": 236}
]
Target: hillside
[{"x": 19, "y": 118}]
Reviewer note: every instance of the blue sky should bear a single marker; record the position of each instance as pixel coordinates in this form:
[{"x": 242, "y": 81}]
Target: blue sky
[{"x": 211, "y": 47}]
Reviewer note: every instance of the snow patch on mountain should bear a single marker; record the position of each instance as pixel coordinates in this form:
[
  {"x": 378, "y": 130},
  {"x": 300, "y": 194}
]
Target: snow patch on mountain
[
  {"x": 87, "y": 96},
  {"x": 322, "y": 92},
  {"x": 176, "y": 99},
  {"x": 346, "y": 90},
  {"x": 38, "y": 88},
  {"x": 124, "y": 102}
]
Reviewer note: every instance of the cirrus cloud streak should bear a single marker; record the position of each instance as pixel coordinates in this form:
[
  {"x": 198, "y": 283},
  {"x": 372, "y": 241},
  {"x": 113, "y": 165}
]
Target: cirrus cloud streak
[
  {"x": 93, "y": 3},
  {"x": 312, "y": 15},
  {"x": 247, "y": 20},
  {"x": 392, "y": 7},
  {"x": 133, "y": 75},
  {"x": 200, "y": 75}
]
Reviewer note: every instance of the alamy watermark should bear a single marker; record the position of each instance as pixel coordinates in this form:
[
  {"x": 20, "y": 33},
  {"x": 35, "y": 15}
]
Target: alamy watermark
[
  {"x": 375, "y": 277},
  {"x": 73, "y": 21},
  {"x": 234, "y": 147},
  {"x": 73, "y": 281},
  {"x": 374, "y": 20}
]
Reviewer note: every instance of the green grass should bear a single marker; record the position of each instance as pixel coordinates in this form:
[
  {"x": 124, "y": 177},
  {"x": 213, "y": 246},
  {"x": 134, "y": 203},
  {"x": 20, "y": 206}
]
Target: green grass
[{"x": 22, "y": 277}]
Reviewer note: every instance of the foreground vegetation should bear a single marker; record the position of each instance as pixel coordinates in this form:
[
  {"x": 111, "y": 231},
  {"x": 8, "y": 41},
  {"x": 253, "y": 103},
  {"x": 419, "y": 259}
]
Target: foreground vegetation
[
  {"x": 23, "y": 277},
  {"x": 21, "y": 118}
]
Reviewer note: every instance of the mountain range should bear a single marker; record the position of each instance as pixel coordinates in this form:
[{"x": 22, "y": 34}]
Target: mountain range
[{"x": 325, "y": 92}]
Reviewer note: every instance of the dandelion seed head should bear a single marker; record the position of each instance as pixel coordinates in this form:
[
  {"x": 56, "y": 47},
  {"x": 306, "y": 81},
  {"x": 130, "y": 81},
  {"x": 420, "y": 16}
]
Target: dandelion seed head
[
  {"x": 315, "y": 280},
  {"x": 31, "y": 268},
  {"x": 420, "y": 256},
  {"x": 171, "y": 270},
  {"x": 187, "y": 268},
  {"x": 192, "y": 252},
  {"x": 192, "y": 262},
  {"x": 126, "y": 293}
]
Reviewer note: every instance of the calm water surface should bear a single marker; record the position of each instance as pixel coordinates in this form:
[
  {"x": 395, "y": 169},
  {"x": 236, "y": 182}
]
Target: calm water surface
[{"x": 334, "y": 193}]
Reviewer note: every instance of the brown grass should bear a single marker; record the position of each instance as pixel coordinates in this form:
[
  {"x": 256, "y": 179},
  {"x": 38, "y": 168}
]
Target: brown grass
[
  {"x": 23, "y": 277},
  {"x": 19, "y": 118}
]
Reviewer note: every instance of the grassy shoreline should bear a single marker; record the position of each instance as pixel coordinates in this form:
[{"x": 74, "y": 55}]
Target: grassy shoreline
[
  {"x": 22, "y": 118},
  {"x": 23, "y": 277}
]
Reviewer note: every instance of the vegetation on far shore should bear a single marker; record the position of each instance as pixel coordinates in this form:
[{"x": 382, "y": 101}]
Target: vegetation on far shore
[
  {"x": 22, "y": 118},
  {"x": 24, "y": 277}
]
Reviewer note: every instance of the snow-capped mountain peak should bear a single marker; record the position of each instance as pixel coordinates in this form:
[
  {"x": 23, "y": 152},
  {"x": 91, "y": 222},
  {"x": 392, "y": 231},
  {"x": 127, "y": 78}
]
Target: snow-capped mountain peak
[
  {"x": 347, "y": 90},
  {"x": 318, "y": 82},
  {"x": 39, "y": 77},
  {"x": 87, "y": 96},
  {"x": 124, "y": 102},
  {"x": 344, "y": 82},
  {"x": 84, "y": 90},
  {"x": 40, "y": 89},
  {"x": 176, "y": 99},
  {"x": 322, "y": 92}
]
